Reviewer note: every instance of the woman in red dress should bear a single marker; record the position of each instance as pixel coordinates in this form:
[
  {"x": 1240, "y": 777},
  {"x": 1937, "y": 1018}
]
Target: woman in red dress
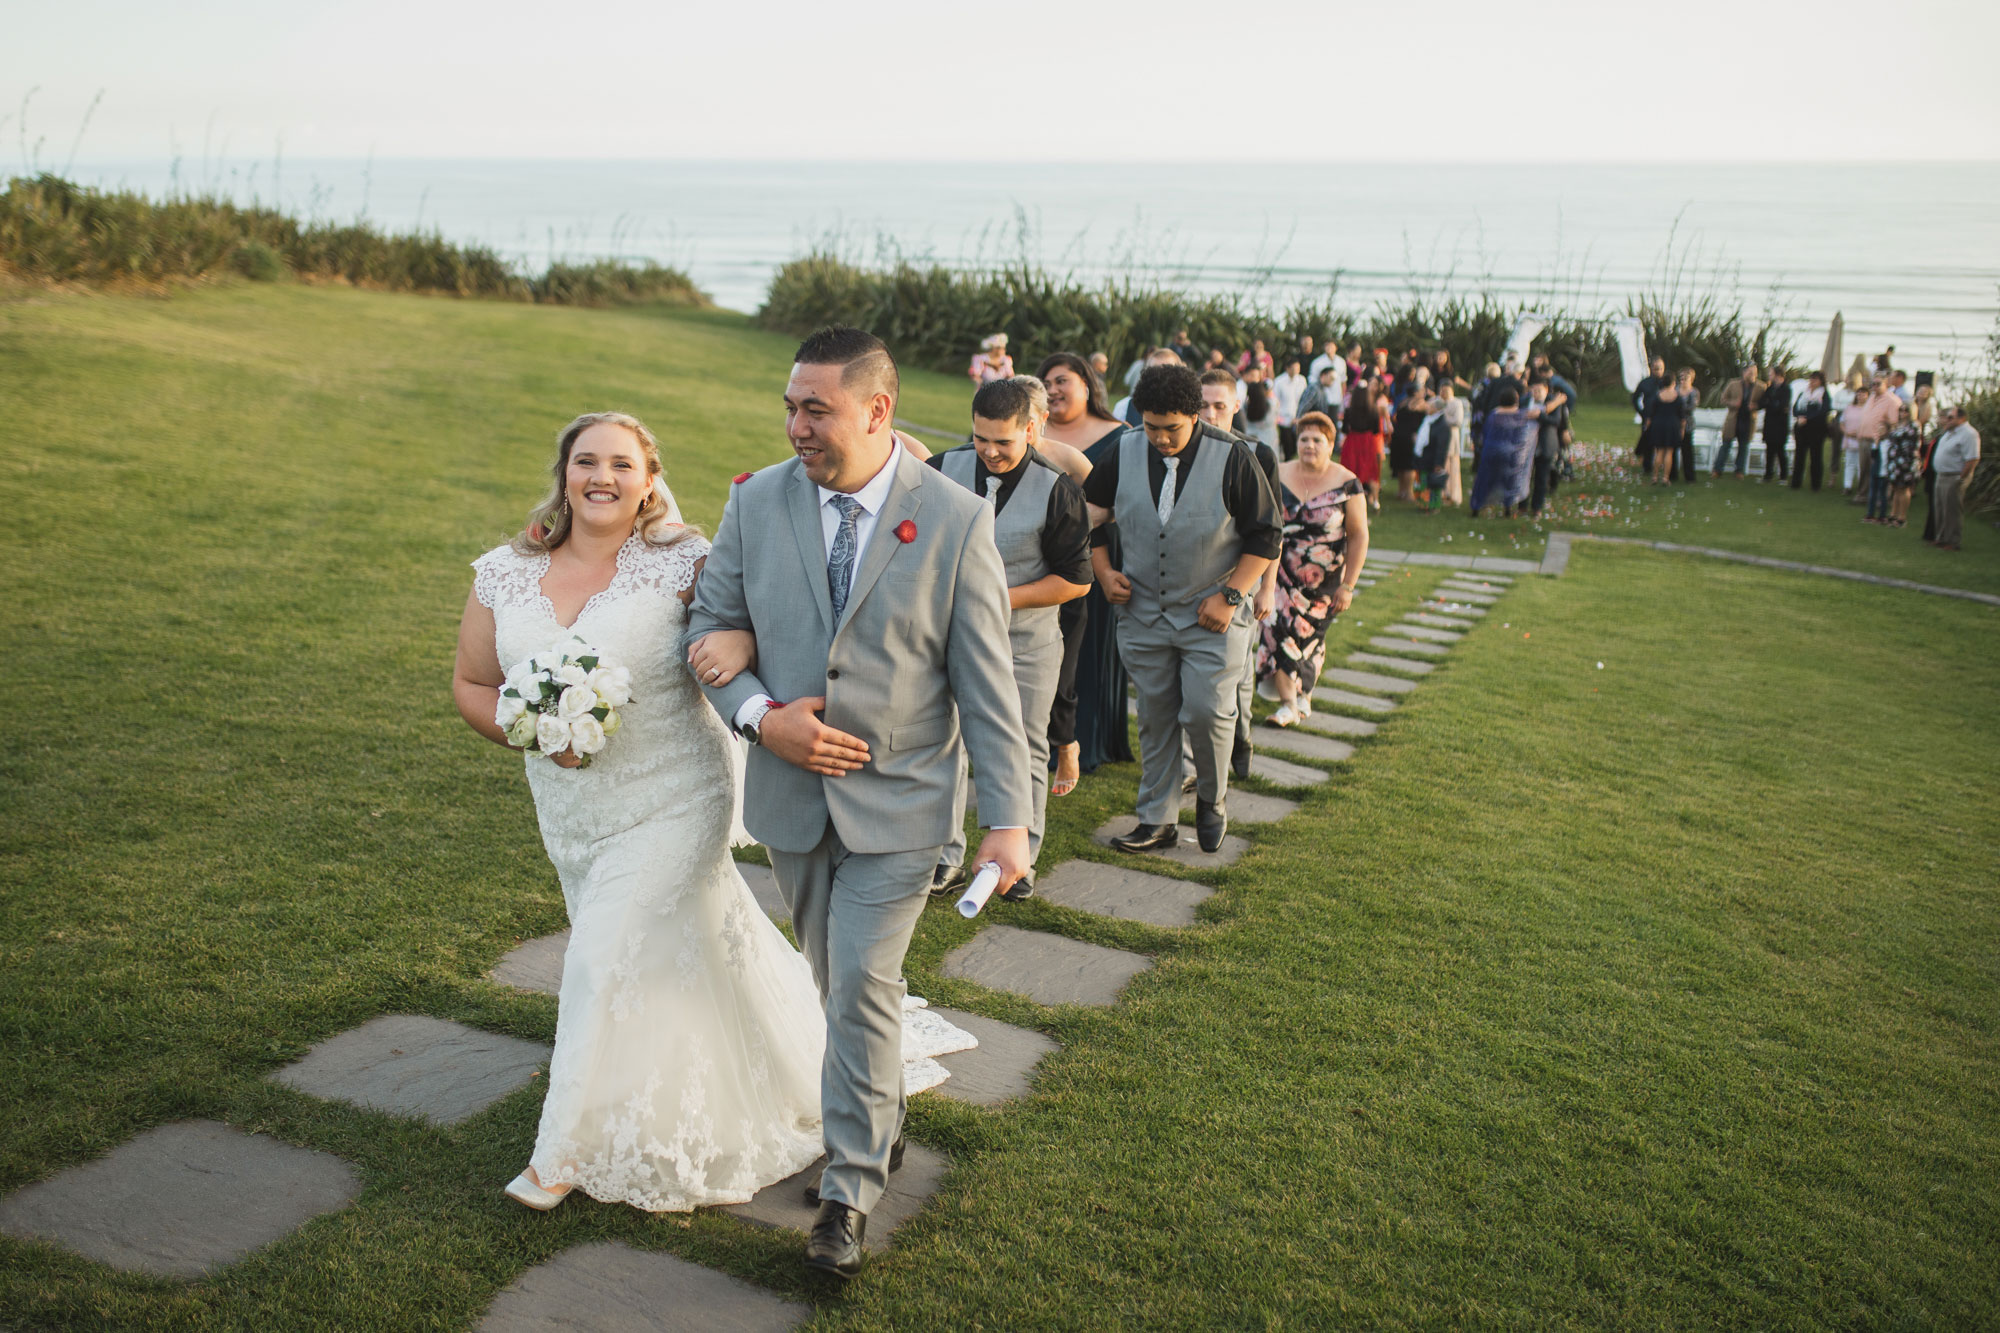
[{"x": 1366, "y": 424}]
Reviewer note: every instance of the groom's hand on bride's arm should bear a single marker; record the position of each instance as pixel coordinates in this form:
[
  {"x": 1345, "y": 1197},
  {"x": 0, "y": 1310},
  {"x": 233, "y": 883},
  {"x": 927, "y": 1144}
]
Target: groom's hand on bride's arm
[
  {"x": 1007, "y": 848},
  {"x": 794, "y": 733}
]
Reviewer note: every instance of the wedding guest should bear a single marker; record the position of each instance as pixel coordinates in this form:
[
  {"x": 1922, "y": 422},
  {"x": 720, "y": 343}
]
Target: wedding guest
[
  {"x": 1690, "y": 400},
  {"x": 1322, "y": 394},
  {"x": 1286, "y": 390},
  {"x": 1900, "y": 450},
  {"x": 1643, "y": 396},
  {"x": 1434, "y": 450},
  {"x": 1159, "y": 356},
  {"x": 1776, "y": 401},
  {"x": 1363, "y": 426},
  {"x": 1257, "y": 357},
  {"x": 1739, "y": 400},
  {"x": 1088, "y": 723},
  {"x": 1809, "y": 419},
  {"x": 1100, "y": 363},
  {"x": 1183, "y": 347},
  {"x": 1660, "y": 438},
  {"x": 1199, "y": 526},
  {"x": 1403, "y": 446},
  {"x": 1218, "y": 409},
  {"x": 991, "y": 361},
  {"x": 1258, "y": 410},
  {"x": 1331, "y": 359},
  {"x": 1876, "y": 414},
  {"x": 1325, "y": 513},
  {"x": 1546, "y": 472},
  {"x": 1442, "y": 373},
  {"x": 1899, "y": 384},
  {"x": 1457, "y": 411},
  {"x": 1954, "y": 458},
  {"x": 1043, "y": 532},
  {"x": 1508, "y": 454}
]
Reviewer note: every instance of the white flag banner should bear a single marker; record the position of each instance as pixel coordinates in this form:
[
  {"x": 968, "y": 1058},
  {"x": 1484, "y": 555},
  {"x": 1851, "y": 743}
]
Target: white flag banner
[
  {"x": 1631, "y": 337},
  {"x": 1526, "y": 329}
]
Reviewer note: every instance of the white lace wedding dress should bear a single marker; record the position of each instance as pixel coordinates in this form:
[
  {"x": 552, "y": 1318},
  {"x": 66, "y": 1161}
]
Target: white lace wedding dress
[{"x": 689, "y": 1036}]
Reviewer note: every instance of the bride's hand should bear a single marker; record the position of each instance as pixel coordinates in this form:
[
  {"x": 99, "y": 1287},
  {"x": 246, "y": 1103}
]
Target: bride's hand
[{"x": 717, "y": 657}]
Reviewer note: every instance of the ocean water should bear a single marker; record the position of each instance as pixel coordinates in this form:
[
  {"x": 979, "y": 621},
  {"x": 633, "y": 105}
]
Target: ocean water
[{"x": 1909, "y": 254}]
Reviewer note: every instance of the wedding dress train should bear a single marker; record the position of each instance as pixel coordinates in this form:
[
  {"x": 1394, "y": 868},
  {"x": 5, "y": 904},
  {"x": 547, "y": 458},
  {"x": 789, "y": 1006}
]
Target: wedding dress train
[{"x": 689, "y": 1036}]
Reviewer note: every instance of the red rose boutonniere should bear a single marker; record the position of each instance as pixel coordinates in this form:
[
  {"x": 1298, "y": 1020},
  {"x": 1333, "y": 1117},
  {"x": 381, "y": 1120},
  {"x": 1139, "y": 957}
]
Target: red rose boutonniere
[
  {"x": 906, "y": 532},
  {"x": 741, "y": 477}
]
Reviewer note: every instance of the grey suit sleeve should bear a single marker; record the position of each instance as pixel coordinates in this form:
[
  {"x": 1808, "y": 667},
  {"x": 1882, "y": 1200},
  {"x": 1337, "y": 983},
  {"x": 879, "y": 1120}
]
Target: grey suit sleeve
[
  {"x": 979, "y": 661},
  {"x": 719, "y": 604}
]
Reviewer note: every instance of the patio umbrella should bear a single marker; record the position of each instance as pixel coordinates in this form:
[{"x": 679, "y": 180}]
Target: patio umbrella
[{"x": 1829, "y": 364}]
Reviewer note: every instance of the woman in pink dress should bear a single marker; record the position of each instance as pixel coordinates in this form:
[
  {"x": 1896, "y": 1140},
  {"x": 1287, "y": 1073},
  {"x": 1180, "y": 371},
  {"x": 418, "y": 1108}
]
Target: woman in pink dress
[{"x": 991, "y": 361}]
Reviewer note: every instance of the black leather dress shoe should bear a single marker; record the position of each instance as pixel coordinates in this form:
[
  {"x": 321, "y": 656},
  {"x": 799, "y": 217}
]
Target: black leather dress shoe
[
  {"x": 1148, "y": 838},
  {"x": 834, "y": 1247},
  {"x": 895, "y": 1165},
  {"x": 1022, "y": 890},
  {"x": 947, "y": 880},
  {"x": 1239, "y": 758},
  {"x": 1211, "y": 821}
]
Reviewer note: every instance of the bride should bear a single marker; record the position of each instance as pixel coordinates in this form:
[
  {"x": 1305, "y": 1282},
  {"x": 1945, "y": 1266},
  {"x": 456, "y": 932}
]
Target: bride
[{"x": 689, "y": 1032}]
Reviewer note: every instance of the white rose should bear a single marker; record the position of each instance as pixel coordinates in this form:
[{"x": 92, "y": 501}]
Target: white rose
[
  {"x": 571, "y": 674},
  {"x": 612, "y": 722},
  {"x": 586, "y": 736},
  {"x": 613, "y": 685},
  {"x": 510, "y": 708},
  {"x": 522, "y": 733},
  {"x": 547, "y": 662},
  {"x": 576, "y": 702},
  {"x": 517, "y": 675},
  {"x": 551, "y": 733}
]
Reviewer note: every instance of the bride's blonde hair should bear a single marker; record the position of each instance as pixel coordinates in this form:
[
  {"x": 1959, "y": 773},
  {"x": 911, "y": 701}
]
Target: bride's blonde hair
[{"x": 548, "y": 522}]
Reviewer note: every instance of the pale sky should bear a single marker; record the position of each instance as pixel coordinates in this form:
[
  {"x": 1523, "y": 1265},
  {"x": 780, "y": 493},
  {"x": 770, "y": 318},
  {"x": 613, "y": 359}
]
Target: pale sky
[{"x": 1564, "y": 80}]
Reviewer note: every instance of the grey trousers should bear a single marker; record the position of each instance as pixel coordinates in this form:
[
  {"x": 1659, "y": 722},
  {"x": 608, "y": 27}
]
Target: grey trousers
[
  {"x": 1187, "y": 682},
  {"x": 854, "y": 914},
  {"x": 1949, "y": 495},
  {"x": 1037, "y": 672},
  {"x": 1246, "y": 693}
]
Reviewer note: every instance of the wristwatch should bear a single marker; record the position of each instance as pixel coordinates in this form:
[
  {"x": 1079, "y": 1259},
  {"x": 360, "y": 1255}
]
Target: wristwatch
[
  {"x": 1233, "y": 597},
  {"x": 749, "y": 730}
]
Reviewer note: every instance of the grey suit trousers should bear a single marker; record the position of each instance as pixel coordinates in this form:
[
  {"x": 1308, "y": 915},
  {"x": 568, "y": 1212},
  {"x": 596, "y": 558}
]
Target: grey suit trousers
[
  {"x": 1037, "y": 672},
  {"x": 1187, "y": 681},
  {"x": 854, "y": 913}
]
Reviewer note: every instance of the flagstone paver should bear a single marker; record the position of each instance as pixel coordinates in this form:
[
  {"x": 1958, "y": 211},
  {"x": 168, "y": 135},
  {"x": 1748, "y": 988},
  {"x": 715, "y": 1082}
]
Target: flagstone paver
[
  {"x": 608, "y": 1287},
  {"x": 784, "y": 1204},
  {"x": 1480, "y": 586},
  {"x": 1338, "y": 724},
  {"x": 182, "y": 1200},
  {"x": 1305, "y": 744},
  {"x": 536, "y": 965},
  {"x": 1284, "y": 772},
  {"x": 1373, "y": 703},
  {"x": 1428, "y": 634},
  {"x": 1436, "y": 621},
  {"x": 1127, "y": 894},
  {"x": 1368, "y": 680},
  {"x": 1396, "y": 645},
  {"x": 1383, "y": 555},
  {"x": 1000, "y": 1068},
  {"x": 1186, "y": 852},
  {"x": 1504, "y": 567},
  {"x": 1439, "y": 558},
  {"x": 1050, "y": 969},
  {"x": 1393, "y": 663},
  {"x": 409, "y": 1064},
  {"x": 1465, "y": 597},
  {"x": 1245, "y": 807},
  {"x": 1446, "y": 606}
]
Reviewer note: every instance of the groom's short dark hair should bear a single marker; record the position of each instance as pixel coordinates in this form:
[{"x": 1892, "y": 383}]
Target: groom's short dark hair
[
  {"x": 1168, "y": 391},
  {"x": 866, "y": 363}
]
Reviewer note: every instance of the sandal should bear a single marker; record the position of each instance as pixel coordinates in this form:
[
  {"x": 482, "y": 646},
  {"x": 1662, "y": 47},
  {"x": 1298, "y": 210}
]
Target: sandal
[{"x": 1064, "y": 782}]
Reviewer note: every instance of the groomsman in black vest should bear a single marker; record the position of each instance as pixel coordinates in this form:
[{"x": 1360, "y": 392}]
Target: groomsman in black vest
[
  {"x": 1199, "y": 526},
  {"x": 1042, "y": 526}
]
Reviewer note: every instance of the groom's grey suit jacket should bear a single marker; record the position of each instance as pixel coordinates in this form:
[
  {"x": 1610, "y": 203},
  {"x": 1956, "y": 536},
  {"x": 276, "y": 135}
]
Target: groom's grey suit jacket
[{"x": 919, "y": 665}]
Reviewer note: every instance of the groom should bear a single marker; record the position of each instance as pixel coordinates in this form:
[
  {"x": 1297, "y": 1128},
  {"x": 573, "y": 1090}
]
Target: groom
[{"x": 879, "y": 604}]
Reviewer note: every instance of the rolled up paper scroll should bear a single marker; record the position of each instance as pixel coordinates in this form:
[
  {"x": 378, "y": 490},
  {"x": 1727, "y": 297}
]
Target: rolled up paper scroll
[{"x": 981, "y": 888}]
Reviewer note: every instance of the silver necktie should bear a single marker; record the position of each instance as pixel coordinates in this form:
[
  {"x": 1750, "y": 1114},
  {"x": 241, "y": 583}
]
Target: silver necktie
[
  {"x": 993, "y": 492},
  {"x": 1167, "y": 490}
]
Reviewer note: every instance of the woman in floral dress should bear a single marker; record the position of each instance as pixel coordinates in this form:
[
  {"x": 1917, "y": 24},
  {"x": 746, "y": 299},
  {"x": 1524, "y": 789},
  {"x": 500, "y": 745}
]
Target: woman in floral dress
[{"x": 1325, "y": 510}]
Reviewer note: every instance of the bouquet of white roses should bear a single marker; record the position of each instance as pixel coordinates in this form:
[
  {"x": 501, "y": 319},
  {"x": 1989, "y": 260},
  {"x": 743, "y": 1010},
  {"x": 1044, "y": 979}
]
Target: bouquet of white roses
[{"x": 566, "y": 698}]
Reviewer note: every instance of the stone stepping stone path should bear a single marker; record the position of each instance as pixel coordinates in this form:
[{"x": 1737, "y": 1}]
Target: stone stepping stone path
[
  {"x": 1245, "y": 807},
  {"x": 1479, "y": 588},
  {"x": 1126, "y": 894},
  {"x": 1335, "y": 724},
  {"x": 998, "y": 1069},
  {"x": 1427, "y": 633},
  {"x": 1393, "y": 663},
  {"x": 411, "y": 1065},
  {"x": 608, "y": 1287},
  {"x": 1370, "y": 703},
  {"x": 1437, "y": 621},
  {"x": 1395, "y": 645},
  {"x": 784, "y": 1204},
  {"x": 1464, "y": 601},
  {"x": 182, "y": 1200},
  {"x": 1305, "y": 744},
  {"x": 1366, "y": 680},
  {"x": 1048, "y": 969},
  {"x": 1283, "y": 772},
  {"x": 1186, "y": 852},
  {"x": 1445, "y": 606}
]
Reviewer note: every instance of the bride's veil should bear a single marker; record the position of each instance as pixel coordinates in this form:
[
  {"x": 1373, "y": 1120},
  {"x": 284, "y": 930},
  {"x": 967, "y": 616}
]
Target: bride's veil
[{"x": 666, "y": 497}]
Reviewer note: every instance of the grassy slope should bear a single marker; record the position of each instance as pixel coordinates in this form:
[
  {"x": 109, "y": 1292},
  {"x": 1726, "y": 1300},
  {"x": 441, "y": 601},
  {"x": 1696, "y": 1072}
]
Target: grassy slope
[{"x": 1657, "y": 995}]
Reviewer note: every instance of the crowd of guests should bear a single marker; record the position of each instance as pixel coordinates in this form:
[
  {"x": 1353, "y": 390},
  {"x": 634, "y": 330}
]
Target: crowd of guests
[{"x": 1887, "y": 432}]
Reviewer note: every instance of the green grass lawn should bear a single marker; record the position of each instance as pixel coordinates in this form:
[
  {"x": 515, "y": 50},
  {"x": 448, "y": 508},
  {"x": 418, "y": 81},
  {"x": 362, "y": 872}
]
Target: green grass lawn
[{"x": 1657, "y": 995}]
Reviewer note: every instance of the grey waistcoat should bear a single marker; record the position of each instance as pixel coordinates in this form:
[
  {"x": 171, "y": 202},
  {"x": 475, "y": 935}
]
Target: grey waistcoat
[
  {"x": 1173, "y": 568},
  {"x": 1017, "y": 531}
]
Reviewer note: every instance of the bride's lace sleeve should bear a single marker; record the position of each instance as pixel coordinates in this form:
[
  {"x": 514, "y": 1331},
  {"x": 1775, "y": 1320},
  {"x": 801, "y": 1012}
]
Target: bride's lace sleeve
[
  {"x": 501, "y": 577},
  {"x": 669, "y": 570}
]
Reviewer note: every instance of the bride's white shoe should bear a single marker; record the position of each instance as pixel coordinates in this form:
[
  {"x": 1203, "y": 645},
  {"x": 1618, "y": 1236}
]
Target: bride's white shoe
[{"x": 522, "y": 1189}]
